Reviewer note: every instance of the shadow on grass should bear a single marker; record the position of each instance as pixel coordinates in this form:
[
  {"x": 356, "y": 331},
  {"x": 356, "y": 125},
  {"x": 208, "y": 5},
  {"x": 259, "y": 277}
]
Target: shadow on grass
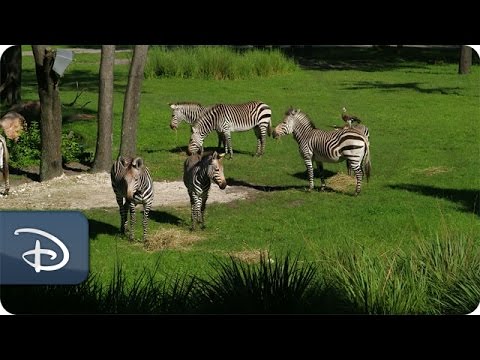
[
  {"x": 303, "y": 174},
  {"x": 164, "y": 217},
  {"x": 96, "y": 228},
  {"x": 265, "y": 188},
  {"x": 468, "y": 199},
  {"x": 361, "y": 85},
  {"x": 370, "y": 59}
]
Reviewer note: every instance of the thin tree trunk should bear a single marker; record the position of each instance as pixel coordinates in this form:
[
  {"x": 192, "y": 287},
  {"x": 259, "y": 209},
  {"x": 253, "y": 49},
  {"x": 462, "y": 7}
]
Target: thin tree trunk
[
  {"x": 11, "y": 76},
  {"x": 103, "y": 152},
  {"x": 131, "y": 103},
  {"x": 465, "y": 60},
  {"x": 50, "y": 114}
]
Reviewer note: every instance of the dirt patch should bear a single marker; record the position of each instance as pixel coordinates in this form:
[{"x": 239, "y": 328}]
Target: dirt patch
[
  {"x": 88, "y": 191},
  {"x": 433, "y": 170},
  {"x": 250, "y": 256},
  {"x": 171, "y": 239}
]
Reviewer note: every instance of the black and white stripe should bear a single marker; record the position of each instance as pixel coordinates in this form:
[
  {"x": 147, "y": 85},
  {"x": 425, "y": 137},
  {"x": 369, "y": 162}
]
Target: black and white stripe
[
  {"x": 4, "y": 164},
  {"x": 190, "y": 112},
  {"x": 362, "y": 129},
  {"x": 133, "y": 185},
  {"x": 326, "y": 146},
  {"x": 227, "y": 118},
  {"x": 199, "y": 172}
]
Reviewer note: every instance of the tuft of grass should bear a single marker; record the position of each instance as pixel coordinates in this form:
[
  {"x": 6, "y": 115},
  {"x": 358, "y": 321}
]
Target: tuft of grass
[
  {"x": 277, "y": 286},
  {"x": 216, "y": 63}
]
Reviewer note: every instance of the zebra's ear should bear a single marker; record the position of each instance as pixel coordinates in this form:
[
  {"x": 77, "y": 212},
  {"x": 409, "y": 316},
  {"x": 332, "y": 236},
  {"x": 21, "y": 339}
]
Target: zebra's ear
[
  {"x": 172, "y": 106},
  {"x": 221, "y": 155},
  {"x": 122, "y": 160},
  {"x": 138, "y": 162}
]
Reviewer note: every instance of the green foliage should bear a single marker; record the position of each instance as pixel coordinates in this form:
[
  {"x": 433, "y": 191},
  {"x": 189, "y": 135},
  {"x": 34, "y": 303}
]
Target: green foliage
[
  {"x": 27, "y": 150},
  {"x": 216, "y": 62}
]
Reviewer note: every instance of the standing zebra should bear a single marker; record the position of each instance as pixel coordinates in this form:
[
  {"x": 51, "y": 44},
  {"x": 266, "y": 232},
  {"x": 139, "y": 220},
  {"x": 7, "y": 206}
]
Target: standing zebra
[
  {"x": 131, "y": 181},
  {"x": 189, "y": 112},
  {"x": 329, "y": 146},
  {"x": 4, "y": 164},
  {"x": 198, "y": 173},
  {"x": 226, "y": 118},
  {"x": 362, "y": 129}
]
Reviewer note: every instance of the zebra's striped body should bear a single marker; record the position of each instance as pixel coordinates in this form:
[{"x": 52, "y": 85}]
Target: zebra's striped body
[
  {"x": 362, "y": 129},
  {"x": 133, "y": 185},
  {"x": 189, "y": 112},
  {"x": 4, "y": 164},
  {"x": 227, "y": 118},
  {"x": 199, "y": 171},
  {"x": 326, "y": 146}
]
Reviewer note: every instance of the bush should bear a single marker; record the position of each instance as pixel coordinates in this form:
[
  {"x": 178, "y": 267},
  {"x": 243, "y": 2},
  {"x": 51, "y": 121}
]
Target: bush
[{"x": 27, "y": 150}]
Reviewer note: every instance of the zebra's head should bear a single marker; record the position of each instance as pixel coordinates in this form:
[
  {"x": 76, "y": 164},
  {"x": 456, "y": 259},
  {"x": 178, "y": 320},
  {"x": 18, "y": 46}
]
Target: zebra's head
[
  {"x": 215, "y": 169},
  {"x": 195, "y": 145},
  {"x": 133, "y": 169},
  {"x": 286, "y": 126},
  {"x": 177, "y": 115}
]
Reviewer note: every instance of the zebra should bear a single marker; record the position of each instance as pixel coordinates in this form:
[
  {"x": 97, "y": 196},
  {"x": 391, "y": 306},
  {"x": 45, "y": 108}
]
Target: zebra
[
  {"x": 4, "y": 164},
  {"x": 329, "y": 146},
  {"x": 362, "y": 129},
  {"x": 226, "y": 118},
  {"x": 189, "y": 112},
  {"x": 199, "y": 171},
  {"x": 131, "y": 181}
]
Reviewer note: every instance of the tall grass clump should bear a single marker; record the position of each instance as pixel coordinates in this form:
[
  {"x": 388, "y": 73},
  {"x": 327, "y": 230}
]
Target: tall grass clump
[
  {"x": 142, "y": 294},
  {"x": 216, "y": 63},
  {"x": 439, "y": 276},
  {"x": 272, "y": 286}
]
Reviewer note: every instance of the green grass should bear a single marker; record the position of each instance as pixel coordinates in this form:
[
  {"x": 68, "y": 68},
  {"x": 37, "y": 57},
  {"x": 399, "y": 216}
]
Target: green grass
[{"x": 422, "y": 118}]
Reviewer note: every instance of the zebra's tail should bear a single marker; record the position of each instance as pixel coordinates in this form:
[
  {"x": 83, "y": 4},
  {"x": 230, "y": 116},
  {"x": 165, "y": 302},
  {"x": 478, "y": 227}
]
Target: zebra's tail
[
  {"x": 269, "y": 128},
  {"x": 367, "y": 165}
]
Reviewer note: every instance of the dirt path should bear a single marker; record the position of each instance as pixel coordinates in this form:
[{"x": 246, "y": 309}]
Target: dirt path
[{"x": 87, "y": 191}]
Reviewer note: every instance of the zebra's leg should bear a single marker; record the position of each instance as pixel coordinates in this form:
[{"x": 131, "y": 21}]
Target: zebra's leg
[
  {"x": 258, "y": 134},
  {"x": 146, "y": 210},
  {"x": 202, "y": 210},
  {"x": 132, "y": 220},
  {"x": 349, "y": 169},
  {"x": 123, "y": 213},
  {"x": 228, "y": 144},
  {"x": 196, "y": 208},
  {"x": 321, "y": 174},
  {"x": 221, "y": 141},
  {"x": 263, "y": 138},
  {"x": 308, "y": 164},
  {"x": 357, "y": 169}
]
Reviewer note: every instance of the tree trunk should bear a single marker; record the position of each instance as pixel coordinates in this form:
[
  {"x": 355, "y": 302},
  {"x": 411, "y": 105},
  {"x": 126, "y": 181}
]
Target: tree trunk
[
  {"x": 103, "y": 152},
  {"x": 131, "y": 103},
  {"x": 465, "y": 60},
  {"x": 11, "y": 76},
  {"x": 50, "y": 114}
]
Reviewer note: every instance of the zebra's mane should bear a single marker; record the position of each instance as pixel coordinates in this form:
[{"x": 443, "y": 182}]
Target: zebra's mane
[
  {"x": 189, "y": 103},
  {"x": 300, "y": 116}
]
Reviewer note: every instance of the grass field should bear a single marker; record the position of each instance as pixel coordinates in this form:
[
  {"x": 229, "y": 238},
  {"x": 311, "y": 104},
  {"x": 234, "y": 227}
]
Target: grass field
[{"x": 424, "y": 141}]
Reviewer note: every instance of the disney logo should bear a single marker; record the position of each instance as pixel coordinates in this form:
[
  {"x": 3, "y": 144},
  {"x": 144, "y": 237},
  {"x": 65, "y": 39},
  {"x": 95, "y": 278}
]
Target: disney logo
[{"x": 37, "y": 252}]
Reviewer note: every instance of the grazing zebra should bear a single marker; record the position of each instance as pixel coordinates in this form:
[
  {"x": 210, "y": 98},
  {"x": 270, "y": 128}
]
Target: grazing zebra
[
  {"x": 189, "y": 112},
  {"x": 131, "y": 181},
  {"x": 4, "y": 164},
  {"x": 198, "y": 173},
  {"x": 226, "y": 118},
  {"x": 329, "y": 146}
]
